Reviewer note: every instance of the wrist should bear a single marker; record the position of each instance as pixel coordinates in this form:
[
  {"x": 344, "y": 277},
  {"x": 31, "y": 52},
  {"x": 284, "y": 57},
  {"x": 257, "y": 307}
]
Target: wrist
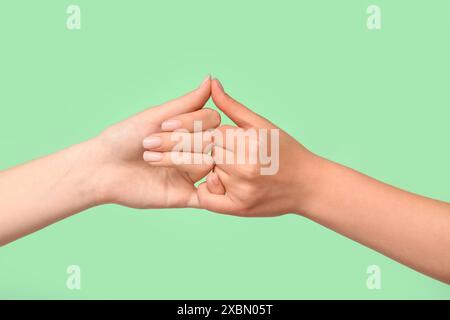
[
  {"x": 88, "y": 176},
  {"x": 309, "y": 183}
]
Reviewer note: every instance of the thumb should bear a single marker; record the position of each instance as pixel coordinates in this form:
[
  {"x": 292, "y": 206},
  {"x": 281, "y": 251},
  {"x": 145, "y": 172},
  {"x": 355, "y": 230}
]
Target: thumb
[
  {"x": 189, "y": 102},
  {"x": 240, "y": 114}
]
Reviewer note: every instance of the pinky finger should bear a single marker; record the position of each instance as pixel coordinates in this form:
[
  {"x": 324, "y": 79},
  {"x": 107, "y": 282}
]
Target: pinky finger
[
  {"x": 214, "y": 202},
  {"x": 214, "y": 184}
]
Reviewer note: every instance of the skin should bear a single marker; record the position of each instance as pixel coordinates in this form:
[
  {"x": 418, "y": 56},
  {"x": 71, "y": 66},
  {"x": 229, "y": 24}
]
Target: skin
[
  {"x": 131, "y": 163},
  {"x": 409, "y": 228},
  {"x": 106, "y": 169}
]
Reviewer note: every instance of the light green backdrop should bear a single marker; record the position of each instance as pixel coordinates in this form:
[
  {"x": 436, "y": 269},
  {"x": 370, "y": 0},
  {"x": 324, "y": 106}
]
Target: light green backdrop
[{"x": 377, "y": 101}]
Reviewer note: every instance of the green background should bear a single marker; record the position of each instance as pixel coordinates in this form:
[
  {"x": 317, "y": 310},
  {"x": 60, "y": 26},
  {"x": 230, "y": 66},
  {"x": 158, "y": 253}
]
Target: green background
[{"x": 377, "y": 101}]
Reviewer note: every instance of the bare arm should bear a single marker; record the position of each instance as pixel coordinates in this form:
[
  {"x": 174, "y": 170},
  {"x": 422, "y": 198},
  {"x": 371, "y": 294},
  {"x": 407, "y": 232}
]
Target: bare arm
[
  {"x": 110, "y": 168},
  {"x": 411, "y": 229},
  {"x": 46, "y": 190}
]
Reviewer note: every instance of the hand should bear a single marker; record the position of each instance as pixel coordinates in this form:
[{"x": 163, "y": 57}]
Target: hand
[
  {"x": 245, "y": 189},
  {"x": 124, "y": 174},
  {"x": 406, "y": 227}
]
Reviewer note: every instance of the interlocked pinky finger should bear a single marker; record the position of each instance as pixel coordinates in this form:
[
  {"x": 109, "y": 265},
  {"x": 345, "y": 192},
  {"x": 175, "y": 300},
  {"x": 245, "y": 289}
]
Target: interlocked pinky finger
[{"x": 214, "y": 183}]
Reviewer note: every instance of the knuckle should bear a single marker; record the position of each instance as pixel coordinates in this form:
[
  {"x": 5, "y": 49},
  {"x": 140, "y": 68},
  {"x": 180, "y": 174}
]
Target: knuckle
[
  {"x": 250, "y": 172},
  {"x": 248, "y": 190}
]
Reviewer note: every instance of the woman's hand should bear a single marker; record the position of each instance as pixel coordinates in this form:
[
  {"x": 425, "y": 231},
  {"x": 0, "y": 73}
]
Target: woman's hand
[
  {"x": 111, "y": 168},
  {"x": 131, "y": 176},
  {"x": 278, "y": 180},
  {"x": 409, "y": 228}
]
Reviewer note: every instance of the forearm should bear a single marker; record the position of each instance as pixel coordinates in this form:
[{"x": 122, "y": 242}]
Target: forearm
[
  {"x": 43, "y": 191},
  {"x": 411, "y": 229}
]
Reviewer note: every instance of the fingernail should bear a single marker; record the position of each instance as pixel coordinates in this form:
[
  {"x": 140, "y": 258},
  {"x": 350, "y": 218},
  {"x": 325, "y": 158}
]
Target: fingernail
[
  {"x": 220, "y": 84},
  {"x": 171, "y": 125},
  {"x": 214, "y": 179},
  {"x": 207, "y": 78},
  {"x": 152, "y": 142},
  {"x": 152, "y": 156}
]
